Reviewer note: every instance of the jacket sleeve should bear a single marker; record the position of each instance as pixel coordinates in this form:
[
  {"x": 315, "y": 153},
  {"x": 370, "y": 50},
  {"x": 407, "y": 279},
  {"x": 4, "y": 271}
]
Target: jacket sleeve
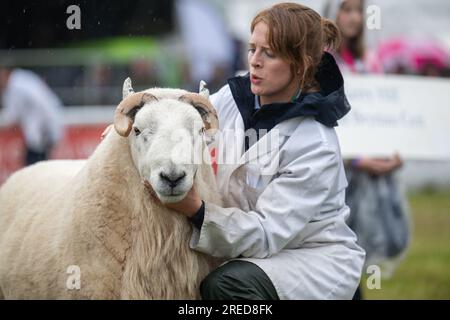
[{"x": 282, "y": 210}]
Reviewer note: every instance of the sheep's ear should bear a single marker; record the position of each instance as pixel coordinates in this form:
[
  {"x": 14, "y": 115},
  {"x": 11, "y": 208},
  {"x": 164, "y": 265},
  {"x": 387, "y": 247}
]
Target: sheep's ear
[
  {"x": 127, "y": 88},
  {"x": 203, "y": 90}
]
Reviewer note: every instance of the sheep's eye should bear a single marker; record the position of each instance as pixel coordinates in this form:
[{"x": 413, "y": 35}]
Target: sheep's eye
[{"x": 137, "y": 131}]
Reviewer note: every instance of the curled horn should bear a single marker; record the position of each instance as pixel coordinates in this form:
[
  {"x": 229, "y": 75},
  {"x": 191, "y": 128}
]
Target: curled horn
[
  {"x": 126, "y": 110},
  {"x": 206, "y": 110}
]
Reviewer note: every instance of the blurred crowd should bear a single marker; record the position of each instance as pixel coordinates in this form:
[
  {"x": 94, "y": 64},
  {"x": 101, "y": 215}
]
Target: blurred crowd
[{"x": 201, "y": 47}]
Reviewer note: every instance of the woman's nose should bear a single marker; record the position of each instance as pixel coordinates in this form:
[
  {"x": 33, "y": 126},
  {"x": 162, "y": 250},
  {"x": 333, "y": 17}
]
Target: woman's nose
[{"x": 255, "y": 61}]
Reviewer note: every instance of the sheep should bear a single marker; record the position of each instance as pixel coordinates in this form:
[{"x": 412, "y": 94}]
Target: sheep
[{"x": 91, "y": 229}]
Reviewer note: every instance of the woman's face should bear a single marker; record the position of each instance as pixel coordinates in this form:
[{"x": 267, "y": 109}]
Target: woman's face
[
  {"x": 271, "y": 77},
  {"x": 350, "y": 18}
]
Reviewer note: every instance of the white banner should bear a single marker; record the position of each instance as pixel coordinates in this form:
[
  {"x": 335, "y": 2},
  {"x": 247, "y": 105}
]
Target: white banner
[{"x": 396, "y": 114}]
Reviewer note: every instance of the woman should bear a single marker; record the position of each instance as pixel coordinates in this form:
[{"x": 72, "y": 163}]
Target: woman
[
  {"x": 378, "y": 209},
  {"x": 283, "y": 226},
  {"x": 352, "y": 55}
]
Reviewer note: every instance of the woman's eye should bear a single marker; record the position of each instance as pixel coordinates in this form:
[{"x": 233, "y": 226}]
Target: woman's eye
[
  {"x": 202, "y": 131},
  {"x": 270, "y": 54},
  {"x": 251, "y": 50},
  {"x": 137, "y": 131}
]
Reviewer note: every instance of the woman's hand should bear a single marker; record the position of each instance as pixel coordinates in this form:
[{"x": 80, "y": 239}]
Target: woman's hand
[
  {"x": 379, "y": 166},
  {"x": 188, "y": 206}
]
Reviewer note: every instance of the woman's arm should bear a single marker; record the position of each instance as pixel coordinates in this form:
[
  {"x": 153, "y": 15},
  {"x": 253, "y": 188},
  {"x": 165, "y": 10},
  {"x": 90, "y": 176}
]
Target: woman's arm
[{"x": 283, "y": 209}]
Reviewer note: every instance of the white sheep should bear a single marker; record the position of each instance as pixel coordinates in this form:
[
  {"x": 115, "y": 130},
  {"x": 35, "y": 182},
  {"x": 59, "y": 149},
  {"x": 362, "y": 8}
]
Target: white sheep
[{"x": 91, "y": 230}]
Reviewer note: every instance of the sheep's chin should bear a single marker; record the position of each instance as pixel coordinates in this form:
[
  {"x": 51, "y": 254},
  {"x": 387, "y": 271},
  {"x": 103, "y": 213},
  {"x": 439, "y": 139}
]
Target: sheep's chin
[{"x": 171, "y": 199}]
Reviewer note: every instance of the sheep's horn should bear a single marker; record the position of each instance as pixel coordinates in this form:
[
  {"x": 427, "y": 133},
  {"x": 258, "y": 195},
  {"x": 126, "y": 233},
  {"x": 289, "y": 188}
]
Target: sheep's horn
[
  {"x": 127, "y": 88},
  {"x": 203, "y": 90},
  {"x": 126, "y": 110},
  {"x": 206, "y": 110}
]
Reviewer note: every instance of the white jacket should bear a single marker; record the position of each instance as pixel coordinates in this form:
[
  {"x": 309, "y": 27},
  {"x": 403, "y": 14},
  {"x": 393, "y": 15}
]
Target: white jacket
[{"x": 284, "y": 207}]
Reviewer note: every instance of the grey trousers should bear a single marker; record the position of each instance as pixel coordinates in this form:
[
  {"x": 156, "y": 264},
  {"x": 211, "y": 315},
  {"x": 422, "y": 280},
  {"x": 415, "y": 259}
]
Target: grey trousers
[{"x": 238, "y": 280}]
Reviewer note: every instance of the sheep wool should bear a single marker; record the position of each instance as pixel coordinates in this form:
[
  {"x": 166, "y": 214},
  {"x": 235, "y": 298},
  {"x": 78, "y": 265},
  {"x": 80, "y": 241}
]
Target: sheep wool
[{"x": 88, "y": 229}]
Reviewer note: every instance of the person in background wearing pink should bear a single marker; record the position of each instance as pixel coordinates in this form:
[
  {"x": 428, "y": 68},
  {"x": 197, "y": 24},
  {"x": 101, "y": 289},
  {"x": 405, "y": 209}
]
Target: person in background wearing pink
[{"x": 371, "y": 207}]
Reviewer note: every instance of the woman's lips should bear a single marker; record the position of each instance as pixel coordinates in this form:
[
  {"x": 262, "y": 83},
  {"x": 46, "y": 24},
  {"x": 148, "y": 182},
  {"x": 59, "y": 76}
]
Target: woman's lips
[{"x": 255, "y": 80}]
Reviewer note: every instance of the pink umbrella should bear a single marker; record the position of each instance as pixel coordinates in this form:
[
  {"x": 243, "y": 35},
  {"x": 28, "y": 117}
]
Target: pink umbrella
[
  {"x": 429, "y": 52},
  {"x": 412, "y": 55}
]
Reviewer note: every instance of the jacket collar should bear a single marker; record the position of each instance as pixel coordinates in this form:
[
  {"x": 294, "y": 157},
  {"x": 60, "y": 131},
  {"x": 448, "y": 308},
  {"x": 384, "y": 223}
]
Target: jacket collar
[{"x": 326, "y": 106}]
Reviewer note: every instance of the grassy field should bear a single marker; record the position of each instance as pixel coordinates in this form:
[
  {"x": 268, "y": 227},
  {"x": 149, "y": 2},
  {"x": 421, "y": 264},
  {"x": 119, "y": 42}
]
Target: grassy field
[{"x": 425, "y": 271}]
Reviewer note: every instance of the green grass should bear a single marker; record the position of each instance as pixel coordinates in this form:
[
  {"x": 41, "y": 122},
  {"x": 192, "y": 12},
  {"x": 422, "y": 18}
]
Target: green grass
[{"x": 425, "y": 271}]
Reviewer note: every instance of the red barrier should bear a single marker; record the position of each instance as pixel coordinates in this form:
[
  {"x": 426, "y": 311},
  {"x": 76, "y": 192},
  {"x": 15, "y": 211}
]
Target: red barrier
[{"x": 79, "y": 142}]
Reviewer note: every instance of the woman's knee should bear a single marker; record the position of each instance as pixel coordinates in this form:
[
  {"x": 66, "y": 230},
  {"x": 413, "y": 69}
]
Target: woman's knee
[{"x": 237, "y": 280}]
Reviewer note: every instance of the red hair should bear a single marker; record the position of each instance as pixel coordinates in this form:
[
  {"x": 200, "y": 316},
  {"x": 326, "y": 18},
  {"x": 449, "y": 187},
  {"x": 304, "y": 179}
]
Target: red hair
[{"x": 299, "y": 35}]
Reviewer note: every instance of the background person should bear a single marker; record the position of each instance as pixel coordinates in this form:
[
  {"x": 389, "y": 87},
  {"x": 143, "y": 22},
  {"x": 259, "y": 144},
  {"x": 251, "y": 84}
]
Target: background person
[
  {"x": 30, "y": 103},
  {"x": 378, "y": 209}
]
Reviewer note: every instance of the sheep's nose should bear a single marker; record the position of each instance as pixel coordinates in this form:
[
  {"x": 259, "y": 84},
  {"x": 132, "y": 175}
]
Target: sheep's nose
[{"x": 173, "y": 179}]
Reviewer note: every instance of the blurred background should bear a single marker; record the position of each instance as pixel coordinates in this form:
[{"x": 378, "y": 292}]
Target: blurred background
[{"x": 177, "y": 43}]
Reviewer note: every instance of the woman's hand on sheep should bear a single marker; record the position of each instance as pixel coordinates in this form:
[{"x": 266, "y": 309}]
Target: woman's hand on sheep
[{"x": 189, "y": 205}]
